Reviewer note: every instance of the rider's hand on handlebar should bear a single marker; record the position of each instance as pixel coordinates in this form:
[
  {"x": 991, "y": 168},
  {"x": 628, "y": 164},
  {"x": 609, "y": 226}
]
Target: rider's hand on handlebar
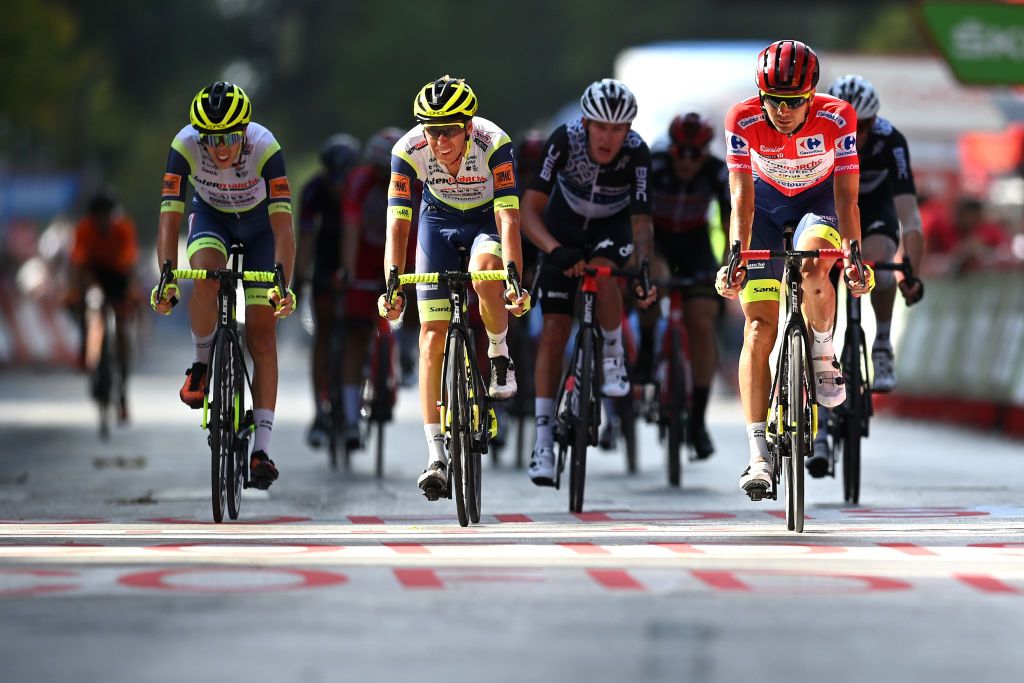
[
  {"x": 912, "y": 289},
  {"x": 853, "y": 281},
  {"x": 569, "y": 259},
  {"x": 518, "y": 305},
  {"x": 284, "y": 305},
  {"x": 170, "y": 298},
  {"x": 730, "y": 290},
  {"x": 643, "y": 300},
  {"x": 391, "y": 311}
]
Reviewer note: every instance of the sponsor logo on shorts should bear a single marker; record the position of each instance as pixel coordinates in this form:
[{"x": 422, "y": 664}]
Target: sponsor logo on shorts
[
  {"x": 625, "y": 251},
  {"x": 401, "y": 186},
  {"x": 172, "y": 184},
  {"x": 504, "y": 176},
  {"x": 604, "y": 244},
  {"x": 556, "y": 295},
  {"x": 279, "y": 189}
]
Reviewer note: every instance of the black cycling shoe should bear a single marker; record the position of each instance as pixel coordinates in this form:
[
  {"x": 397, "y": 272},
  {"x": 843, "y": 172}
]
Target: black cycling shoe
[
  {"x": 262, "y": 470},
  {"x": 817, "y": 464},
  {"x": 702, "y": 446}
]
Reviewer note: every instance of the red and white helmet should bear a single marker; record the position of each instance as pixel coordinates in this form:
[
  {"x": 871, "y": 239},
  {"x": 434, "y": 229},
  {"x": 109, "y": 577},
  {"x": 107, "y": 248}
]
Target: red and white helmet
[{"x": 786, "y": 67}]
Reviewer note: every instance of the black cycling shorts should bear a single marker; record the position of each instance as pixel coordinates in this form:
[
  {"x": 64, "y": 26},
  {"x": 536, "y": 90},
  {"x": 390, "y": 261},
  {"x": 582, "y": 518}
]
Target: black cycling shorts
[{"x": 610, "y": 238}]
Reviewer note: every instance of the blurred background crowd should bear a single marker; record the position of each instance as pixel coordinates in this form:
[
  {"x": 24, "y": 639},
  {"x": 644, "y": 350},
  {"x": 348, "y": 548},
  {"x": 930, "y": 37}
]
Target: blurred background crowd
[{"x": 94, "y": 93}]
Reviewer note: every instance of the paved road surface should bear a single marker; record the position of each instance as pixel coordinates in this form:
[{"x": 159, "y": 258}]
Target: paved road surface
[{"x": 110, "y": 569}]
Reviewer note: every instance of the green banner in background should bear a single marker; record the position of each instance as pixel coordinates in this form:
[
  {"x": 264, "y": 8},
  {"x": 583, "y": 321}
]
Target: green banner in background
[{"x": 982, "y": 41}]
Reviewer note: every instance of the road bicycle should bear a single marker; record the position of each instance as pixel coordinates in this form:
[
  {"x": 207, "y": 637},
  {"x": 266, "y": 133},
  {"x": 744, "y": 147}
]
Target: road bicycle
[
  {"x": 106, "y": 383},
  {"x": 379, "y": 390},
  {"x": 229, "y": 422},
  {"x": 849, "y": 422},
  {"x": 793, "y": 412},
  {"x": 467, "y": 420},
  {"x": 578, "y": 405}
]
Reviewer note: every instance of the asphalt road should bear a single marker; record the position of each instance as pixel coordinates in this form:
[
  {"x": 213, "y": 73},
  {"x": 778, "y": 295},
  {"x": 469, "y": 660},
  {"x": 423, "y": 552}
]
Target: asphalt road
[{"x": 111, "y": 570}]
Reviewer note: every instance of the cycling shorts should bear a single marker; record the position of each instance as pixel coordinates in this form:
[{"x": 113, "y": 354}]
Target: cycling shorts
[
  {"x": 610, "y": 238},
  {"x": 813, "y": 211},
  {"x": 878, "y": 216},
  {"x": 209, "y": 228},
  {"x": 440, "y": 235},
  {"x": 688, "y": 254}
]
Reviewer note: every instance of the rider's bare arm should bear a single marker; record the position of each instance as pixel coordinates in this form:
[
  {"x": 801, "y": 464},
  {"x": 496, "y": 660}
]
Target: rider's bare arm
[
  {"x": 741, "y": 218},
  {"x": 533, "y": 205}
]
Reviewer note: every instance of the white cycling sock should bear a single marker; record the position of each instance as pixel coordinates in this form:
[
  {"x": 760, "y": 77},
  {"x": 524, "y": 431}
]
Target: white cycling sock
[
  {"x": 544, "y": 408},
  {"x": 758, "y": 443},
  {"x": 613, "y": 342},
  {"x": 202, "y": 347},
  {"x": 264, "y": 424},
  {"x": 435, "y": 443},
  {"x": 822, "y": 345},
  {"x": 497, "y": 345},
  {"x": 350, "y": 400}
]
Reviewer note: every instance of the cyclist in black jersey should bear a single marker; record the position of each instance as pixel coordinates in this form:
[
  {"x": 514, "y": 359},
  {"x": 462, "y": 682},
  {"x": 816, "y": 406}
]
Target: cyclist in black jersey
[
  {"x": 319, "y": 258},
  {"x": 685, "y": 179},
  {"x": 588, "y": 205},
  {"x": 889, "y": 216}
]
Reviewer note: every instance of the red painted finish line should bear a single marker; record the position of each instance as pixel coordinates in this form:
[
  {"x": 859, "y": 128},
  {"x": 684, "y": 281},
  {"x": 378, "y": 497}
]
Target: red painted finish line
[{"x": 29, "y": 582}]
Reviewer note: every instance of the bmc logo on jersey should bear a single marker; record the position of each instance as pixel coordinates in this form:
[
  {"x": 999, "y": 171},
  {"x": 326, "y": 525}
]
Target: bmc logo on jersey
[
  {"x": 810, "y": 146},
  {"x": 737, "y": 144},
  {"x": 846, "y": 145}
]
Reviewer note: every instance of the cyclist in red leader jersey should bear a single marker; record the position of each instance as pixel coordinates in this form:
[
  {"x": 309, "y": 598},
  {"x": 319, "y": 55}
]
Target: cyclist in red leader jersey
[{"x": 792, "y": 156}]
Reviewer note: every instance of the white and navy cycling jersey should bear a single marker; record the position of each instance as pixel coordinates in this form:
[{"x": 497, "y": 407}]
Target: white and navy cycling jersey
[
  {"x": 885, "y": 162},
  {"x": 590, "y": 189},
  {"x": 257, "y": 177},
  {"x": 486, "y": 179}
]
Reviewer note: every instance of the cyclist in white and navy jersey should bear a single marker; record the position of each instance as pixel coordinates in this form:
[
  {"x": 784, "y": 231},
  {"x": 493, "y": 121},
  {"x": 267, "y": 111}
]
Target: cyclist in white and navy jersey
[
  {"x": 240, "y": 195},
  {"x": 470, "y": 200},
  {"x": 587, "y": 205},
  {"x": 889, "y": 215}
]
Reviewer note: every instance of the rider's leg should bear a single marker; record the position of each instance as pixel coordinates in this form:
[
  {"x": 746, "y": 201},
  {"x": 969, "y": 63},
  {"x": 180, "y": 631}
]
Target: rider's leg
[
  {"x": 323, "y": 318},
  {"x": 761, "y": 310},
  {"x": 261, "y": 339},
  {"x": 644, "y": 371},
  {"x": 202, "y": 309},
  {"x": 880, "y": 247},
  {"x": 357, "y": 341},
  {"x": 819, "y": 308},
  {"x": 701, "y": 314},
  {"x": 491, "y": 295},
  {"x": 609, "y": 316},
  {"x": 554, "y": 337}
]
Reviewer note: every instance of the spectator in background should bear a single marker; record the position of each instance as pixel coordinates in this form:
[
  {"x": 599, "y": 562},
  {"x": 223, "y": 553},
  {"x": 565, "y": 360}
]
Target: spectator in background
[
  {"x": 104, "y": 252},
  {"x": 976, "y": 236},
  {"x": 319, "y": 259}
]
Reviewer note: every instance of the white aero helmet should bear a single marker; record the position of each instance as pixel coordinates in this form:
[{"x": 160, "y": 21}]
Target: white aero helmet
[
  {"x": 608, "y": 100},
  {"x": 859, "y": 92}
]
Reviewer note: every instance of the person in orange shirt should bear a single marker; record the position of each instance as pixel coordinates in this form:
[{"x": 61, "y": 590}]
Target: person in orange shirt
[{"x": 104, "y": 252}]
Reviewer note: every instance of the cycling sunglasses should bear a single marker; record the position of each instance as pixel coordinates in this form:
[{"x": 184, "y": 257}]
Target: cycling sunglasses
[
  {"x": 449, "y": 130},
  {"x": 221, "y": 139},
  {"x": 791, "y": 101},
  {"x": 687, "y": 151}
]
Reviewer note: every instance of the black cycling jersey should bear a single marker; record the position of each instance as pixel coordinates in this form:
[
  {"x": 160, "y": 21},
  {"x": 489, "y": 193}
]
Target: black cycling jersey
[
  {"x": 590, "y": 189},
  {"x": 320, "y": 212},
  {"x": 885, "y": 162},
  {"x": 680, "y": 206}
]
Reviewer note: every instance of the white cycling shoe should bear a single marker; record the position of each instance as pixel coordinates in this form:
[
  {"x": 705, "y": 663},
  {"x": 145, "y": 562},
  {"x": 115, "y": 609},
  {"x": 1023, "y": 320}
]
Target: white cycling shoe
[
  {"x": 542, "y": 467},
  {"x": 616, "y": 381},
  {"x": 831, "y": 387},
  {"x": 884, "y": 362},
  {"x": 758, "y": 475},
  {"x": 434, "y": 480},
  {"x": 503, "y": 379}
]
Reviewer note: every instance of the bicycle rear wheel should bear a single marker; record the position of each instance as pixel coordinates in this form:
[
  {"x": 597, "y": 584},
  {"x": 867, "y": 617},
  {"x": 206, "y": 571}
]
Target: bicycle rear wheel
[
  {"x": 474, "y": 460},
  {"x": 458, "y": 428},
  {"x": 799, "y": 428},
  {"x": 221, "y": 424},
  {"x": 584, "y": 420}
]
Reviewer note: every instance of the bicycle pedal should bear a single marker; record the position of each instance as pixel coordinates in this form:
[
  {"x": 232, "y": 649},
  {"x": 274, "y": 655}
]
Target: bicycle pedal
[
  {"x": 258, "y": 484},
  {"x": 757, "y": 493}
]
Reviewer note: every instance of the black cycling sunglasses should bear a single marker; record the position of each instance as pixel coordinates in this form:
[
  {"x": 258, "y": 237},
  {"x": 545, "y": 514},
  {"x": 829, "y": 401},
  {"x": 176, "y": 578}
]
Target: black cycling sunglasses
[{"x": 449, "y": 130}]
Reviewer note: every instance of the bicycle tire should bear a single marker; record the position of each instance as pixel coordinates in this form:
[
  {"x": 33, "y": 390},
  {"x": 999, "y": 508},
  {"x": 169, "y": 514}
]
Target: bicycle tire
[
  {"x": 219, "y": 426},
  {"x": 797, "y": 413},
  {"x": 379, "y": 464},
  {"x": 582, "y": 436},
  {"x": 236, "y": 461},
  {"x": 851, "y": 434},
  {"x": 474, "y": 449},
  {"x": 675, "y": 420},
  {"x": 627, "y": 422},
  {"x": 455, "y": 398}
]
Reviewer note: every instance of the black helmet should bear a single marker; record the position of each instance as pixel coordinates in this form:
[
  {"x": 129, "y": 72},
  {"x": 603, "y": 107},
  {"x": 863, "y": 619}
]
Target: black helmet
[
  {"x": 102, "y": 202},
  {"x": 339, "y": 154}
]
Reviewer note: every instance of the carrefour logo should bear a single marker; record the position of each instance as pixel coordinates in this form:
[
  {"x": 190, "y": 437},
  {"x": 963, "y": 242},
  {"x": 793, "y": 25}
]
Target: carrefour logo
[
  {"x": 810, "y": 146},
  {"x": 737, "y": 144},
  {"x": 846, "y": 145}
]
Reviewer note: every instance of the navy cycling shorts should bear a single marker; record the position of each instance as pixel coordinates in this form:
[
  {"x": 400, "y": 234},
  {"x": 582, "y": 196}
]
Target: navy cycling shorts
[{"x": 209, "y": 228}]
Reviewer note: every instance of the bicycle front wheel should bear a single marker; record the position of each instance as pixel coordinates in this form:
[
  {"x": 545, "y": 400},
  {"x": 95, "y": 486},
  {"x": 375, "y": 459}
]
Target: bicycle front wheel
[
  {"x": 237, "y": 459},
  {"x": 456, "y": 403},
  {"x": 798, "y": 427},
  {"x": 585, "y": 417},
  {"x": 675, "y": 410},
  {"x": 220, "y": 425}
]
